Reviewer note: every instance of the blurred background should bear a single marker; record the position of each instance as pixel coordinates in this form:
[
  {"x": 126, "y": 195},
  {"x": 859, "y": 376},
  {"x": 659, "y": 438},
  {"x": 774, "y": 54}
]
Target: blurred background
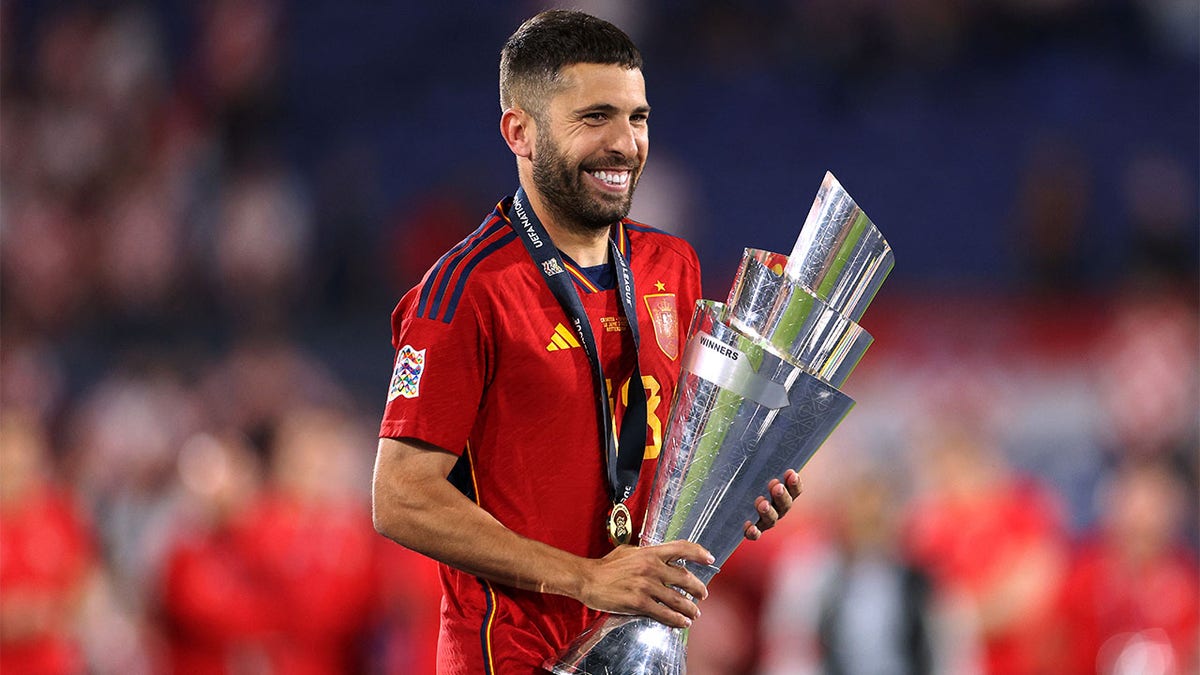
[{"x": 209, "y": 209}]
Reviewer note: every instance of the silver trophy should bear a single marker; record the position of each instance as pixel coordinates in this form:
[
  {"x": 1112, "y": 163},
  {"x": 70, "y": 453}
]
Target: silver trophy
[{"x": 757, "y": 395}]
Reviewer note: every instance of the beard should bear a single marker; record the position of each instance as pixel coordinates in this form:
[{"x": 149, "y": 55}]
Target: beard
[{"x": 562, "y": 187}]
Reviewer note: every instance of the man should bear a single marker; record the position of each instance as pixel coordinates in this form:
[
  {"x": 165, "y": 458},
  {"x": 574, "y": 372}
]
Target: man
[{"x": 512, "y": 438}]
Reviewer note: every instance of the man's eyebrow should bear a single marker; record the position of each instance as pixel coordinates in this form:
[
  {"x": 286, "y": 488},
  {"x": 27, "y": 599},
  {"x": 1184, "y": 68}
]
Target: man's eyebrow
[{"x": 608, "y": 108}]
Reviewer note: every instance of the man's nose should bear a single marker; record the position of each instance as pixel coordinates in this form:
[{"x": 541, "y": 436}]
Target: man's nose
[{"x": 623, "y": 138}]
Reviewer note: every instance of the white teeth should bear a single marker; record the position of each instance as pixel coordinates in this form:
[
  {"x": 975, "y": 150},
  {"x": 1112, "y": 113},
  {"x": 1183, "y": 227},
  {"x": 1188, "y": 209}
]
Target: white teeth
[{"x": 615, "y": 178}]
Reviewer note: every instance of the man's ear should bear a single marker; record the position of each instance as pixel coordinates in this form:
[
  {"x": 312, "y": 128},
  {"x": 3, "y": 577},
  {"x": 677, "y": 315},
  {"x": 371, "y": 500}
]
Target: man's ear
[{"x": 517, "y": 128}]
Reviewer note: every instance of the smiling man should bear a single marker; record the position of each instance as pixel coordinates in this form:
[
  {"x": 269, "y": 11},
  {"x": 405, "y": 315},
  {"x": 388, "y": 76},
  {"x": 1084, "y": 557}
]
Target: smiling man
[{"x": 527, "y": 400}]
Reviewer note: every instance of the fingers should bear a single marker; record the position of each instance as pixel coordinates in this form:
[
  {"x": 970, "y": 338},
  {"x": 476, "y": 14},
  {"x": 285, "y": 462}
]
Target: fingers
[
  {"x": 651, "y": 581},
  {"x": 792, "y": 480},
  {"x": 683, "y": 550},
  {"x": 751, "y": 531},
  {"x": 673, "y": 554},
  {"x": 651, "y": 595},
  {"x": 665, "y": 614},
  {"x": 687, "y": 582},
  {"x": 667, "y": 605},
  {"x": 783, "y": 493},
  {"x": 767, "y": 514}
]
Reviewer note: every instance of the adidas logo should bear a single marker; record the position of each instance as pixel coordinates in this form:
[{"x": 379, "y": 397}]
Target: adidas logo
[{"x": 562, "y": 338}]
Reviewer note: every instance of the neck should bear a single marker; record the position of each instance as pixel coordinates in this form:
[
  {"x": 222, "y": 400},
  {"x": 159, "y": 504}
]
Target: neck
[{"x": 586, "y": 246}]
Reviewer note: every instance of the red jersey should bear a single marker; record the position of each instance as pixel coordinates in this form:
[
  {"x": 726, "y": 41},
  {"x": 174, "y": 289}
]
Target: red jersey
[
  {"x": 45, "y": 556},
  {"x": 972, "y": 546},
  {"x": 315, "y": 560},
  {"x": 219, "y": 618},
  {"x": 487, "y": 368},
  {"x": 1111, "y": 608}
]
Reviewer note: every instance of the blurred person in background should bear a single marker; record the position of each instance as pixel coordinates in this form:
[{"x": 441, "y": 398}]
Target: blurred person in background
[
  {"x": 1130, "y": 602},
  {"x": 124, "y": 437},
  {"x": 46, "y": 556},
  {"x": 853, "y": 604},
  {"x": 236, "y": 73},
  {"x": 313, "y": 556},
  {"x": 1147, "y": 380},
  {"x": 41, "y": 261},
  {"x": 261, "y": 246},
  {"x": 218, "y": 613},
  {"x": 1147, "y": 375},
  {"x": 990, "y": 538}
]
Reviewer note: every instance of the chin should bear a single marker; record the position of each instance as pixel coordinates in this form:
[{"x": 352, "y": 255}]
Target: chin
[
  {"x": 602, "y": 219},
  {"x": 612, "y": 208}
]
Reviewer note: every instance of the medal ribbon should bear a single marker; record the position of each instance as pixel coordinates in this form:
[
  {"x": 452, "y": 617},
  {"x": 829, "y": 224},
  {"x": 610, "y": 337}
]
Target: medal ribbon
[{"x": 623, "y": 461}]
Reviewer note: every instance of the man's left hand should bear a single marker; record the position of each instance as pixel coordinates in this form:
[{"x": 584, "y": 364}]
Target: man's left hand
[{"x": 782, "y": 492}]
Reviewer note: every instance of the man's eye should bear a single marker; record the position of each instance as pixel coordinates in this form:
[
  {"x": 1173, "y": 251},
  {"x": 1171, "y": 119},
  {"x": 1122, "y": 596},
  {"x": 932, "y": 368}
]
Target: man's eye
[
  {"x": 639, "y": 119},
  {"x": 595, "y": 117}
]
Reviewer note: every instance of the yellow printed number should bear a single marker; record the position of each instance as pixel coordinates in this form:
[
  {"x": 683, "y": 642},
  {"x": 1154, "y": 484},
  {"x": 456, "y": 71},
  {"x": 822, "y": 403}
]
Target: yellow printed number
[{"x": 653, "y": 400}]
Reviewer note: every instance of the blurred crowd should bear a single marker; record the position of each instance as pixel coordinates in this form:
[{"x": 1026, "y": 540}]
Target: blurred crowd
[
  {"x": 1014, "y": 493},
  {"x": 194, "y": 351}
]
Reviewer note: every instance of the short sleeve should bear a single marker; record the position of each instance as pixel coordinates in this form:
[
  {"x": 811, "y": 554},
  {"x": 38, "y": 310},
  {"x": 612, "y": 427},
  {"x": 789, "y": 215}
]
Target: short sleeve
[{"x": 438, "y": 376}]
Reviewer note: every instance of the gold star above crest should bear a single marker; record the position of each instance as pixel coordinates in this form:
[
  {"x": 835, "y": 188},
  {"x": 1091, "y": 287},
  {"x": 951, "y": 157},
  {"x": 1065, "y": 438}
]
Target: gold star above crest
[{"x": 658, "y": 285}]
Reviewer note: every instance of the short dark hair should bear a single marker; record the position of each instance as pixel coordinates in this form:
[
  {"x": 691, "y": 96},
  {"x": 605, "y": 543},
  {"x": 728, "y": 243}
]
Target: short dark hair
[{"x": 533, "y": 57}]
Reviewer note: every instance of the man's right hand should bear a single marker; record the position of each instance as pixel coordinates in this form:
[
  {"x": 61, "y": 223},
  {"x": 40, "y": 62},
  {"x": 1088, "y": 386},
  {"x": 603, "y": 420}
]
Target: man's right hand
[{"x": 639, "y": 580}]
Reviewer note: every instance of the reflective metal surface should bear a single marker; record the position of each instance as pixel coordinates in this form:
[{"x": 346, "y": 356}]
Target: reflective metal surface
[
  {"x": 625, "y": 645},
  {"x": 840, "y": 256},
  {"x": 757, "y": 395},
  {"x": 721, "y": 448},
  {"x": 766, "y": 304}
]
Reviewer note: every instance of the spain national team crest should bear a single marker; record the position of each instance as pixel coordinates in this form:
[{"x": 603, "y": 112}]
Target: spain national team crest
[
  {"x": 665, "y": 318},
  {"x": 406, "y": 377}
]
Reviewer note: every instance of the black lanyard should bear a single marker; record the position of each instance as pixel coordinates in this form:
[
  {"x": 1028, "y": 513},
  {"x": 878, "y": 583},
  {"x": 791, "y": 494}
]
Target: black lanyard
[{"x": 622, "y": 463}]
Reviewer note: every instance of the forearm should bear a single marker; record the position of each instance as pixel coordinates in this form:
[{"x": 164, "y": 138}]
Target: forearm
[
  {"x": 434, "y": 519},
  {"x": 415, "y": 506}
]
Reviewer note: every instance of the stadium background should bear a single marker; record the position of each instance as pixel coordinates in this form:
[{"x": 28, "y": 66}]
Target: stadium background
[{"x": 209, "y": 209}]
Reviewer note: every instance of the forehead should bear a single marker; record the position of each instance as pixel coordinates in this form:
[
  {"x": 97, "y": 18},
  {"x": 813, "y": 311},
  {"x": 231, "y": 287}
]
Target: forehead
[{"x": 589, "y": 84}]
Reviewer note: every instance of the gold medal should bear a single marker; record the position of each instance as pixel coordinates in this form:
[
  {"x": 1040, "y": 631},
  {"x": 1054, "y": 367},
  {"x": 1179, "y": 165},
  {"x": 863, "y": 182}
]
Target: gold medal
[{"x": 620, "y": 525}]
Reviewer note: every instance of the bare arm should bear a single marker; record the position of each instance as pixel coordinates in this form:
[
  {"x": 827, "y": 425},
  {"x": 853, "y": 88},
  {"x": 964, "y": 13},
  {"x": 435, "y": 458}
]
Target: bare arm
[{"x": 415, "y": 506}]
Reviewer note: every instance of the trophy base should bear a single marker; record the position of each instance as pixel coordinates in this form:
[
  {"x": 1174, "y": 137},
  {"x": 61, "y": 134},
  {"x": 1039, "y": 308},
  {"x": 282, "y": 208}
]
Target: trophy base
[{"x": 624, "y": 645}]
